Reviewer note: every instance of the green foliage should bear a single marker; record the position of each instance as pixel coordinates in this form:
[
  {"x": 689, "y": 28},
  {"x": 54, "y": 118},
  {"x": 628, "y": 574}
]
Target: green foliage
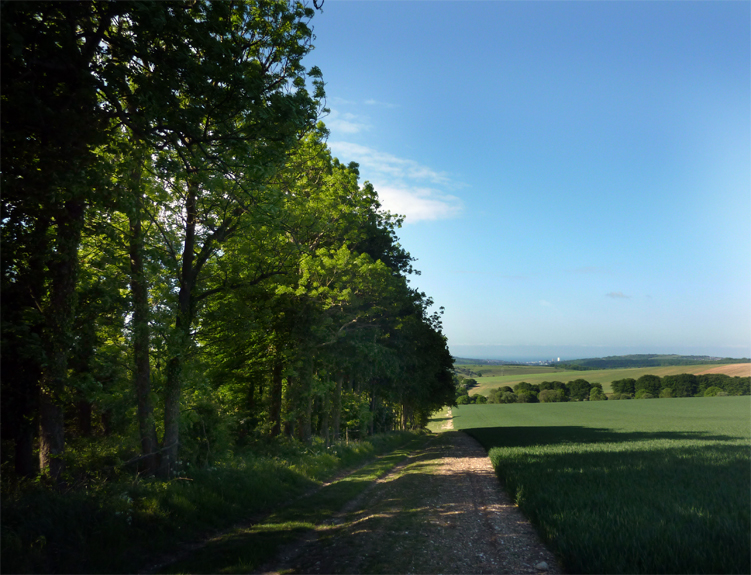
[
  {"x": 713, "y": 391},
  {"x": 552, "y": 396},
  {"x": 650, "y": 384},
  {"x": 195, "y": 274},
  {"x": 627, "y": 385},
  {"x": 526, "y": 397},
  {"x": 643, "y": 394},
  {"x": 579, "y": 389},
  {"x": 113, "y": 526}
]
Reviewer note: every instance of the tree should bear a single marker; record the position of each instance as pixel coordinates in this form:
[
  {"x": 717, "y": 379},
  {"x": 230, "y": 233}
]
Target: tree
[
  {"x": 579, "y": 389},
  {"x": 650, "y": 384},
  {"x": 683, "y": 385},
  {"x": 626, "y": 385},
  {"x": 52, "y": 126}
]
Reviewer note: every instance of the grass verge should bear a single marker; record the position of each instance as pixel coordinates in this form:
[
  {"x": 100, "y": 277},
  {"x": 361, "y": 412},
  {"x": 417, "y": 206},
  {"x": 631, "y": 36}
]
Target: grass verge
[
  {"x": 115, "y": 526},
  {"x": 246, "y": 549}
]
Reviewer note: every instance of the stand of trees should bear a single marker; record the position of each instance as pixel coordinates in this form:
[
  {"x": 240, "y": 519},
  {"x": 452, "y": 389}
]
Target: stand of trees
[
  {"x": 646, "y": 387},
  {"x": 185, "y": 266}
]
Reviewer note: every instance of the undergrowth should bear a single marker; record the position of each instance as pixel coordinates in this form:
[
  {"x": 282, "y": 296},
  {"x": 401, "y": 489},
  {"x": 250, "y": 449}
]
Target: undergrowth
[{"x": 115, "y": 525}]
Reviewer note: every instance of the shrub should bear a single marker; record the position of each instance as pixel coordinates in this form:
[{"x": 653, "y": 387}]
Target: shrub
[
  {"x": 526, "y": 397},
  {"x": 596, "y": 394},
  {"x": 552, "y": 396},
  {"x": 616, "y": 396},
  {"x": 508, "y": 397},
  {"x": 643, "y": 394},
  {"x": 462, "y": 400},
  {"x": 713, "y": 391},
  {"x": 481, "y": 399},
  {"x": 666, "y": 392}
]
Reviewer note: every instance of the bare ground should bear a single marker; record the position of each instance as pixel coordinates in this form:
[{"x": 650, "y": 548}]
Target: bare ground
[
  {"x": 441, "y": 511},
  {"x": 735, "y": 369}
]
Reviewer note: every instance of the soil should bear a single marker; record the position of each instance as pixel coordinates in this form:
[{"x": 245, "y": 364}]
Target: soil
[
  {"x": 735, "y": 369},
  {"x": 441, "y": 511}
]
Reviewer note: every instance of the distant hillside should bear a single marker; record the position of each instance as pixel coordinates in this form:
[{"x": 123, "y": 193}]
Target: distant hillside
[
  {"x": 467, "y": 361},
  {"x": 644, "y": 360}
]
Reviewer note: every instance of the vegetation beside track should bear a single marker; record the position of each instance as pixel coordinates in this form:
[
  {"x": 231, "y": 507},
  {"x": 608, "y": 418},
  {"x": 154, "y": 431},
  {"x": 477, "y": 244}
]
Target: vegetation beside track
[{"x": 117, "y": 526}]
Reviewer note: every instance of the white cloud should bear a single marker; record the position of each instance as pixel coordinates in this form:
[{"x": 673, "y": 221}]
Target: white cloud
[
  {"x": 346, "y": 123},
  {"x": 418, "y": 204},
  {"x": 383, "y": 164},
  {"x": 404, "y": 186}
]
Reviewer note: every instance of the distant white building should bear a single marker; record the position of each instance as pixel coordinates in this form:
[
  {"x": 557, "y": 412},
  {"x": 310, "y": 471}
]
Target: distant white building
[{"x": 559, "y": 359}]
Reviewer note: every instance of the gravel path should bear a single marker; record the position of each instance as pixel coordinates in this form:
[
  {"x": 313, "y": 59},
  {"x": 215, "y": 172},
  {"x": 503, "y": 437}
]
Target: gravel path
[{"x": 441, "y": 511}]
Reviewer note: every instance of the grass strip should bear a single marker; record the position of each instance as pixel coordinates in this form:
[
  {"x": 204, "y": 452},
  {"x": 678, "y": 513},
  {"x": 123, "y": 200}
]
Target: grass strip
[
  {"x": 246, "y": 549},
  {"x": 114, "y": 527}
]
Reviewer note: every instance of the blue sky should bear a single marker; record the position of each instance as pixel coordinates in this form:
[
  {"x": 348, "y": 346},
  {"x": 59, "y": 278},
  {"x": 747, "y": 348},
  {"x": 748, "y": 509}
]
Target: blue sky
[{"x": 576, "y": 176}]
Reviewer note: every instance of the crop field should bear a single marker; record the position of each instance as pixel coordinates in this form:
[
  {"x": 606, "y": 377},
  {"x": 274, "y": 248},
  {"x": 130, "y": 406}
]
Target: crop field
[
  {"x": 532, "y": 374},
  {"x": 629, "y": 486}
]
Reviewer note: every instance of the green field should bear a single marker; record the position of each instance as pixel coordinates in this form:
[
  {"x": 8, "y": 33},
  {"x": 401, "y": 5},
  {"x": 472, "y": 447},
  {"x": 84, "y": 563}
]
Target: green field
[
  {"x": 492, "y": 378},
  {"x": 628, "y": 486}
]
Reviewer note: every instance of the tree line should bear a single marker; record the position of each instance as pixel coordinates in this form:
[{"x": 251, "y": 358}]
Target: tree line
[
  {"x": 186, "y": 267},
  {"x": 645, "y": 387}
]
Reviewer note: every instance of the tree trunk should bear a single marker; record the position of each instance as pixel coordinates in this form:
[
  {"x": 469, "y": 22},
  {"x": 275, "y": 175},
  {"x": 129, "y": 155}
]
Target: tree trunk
[
  {"x": 275, "y": 406},
  {"x": 307, "y": 423},
  {"x": 28, "y": 422},
  {"x": 337, "y": 407},
  {"x": 181, "y": 339},
  {"x": 325, "y": 409},
  {"x": 141, "y": 333},
  {"x": 58, "y": 318},
  {"x": 373, "y": 406},
  {"x": 83, "y": 409}
]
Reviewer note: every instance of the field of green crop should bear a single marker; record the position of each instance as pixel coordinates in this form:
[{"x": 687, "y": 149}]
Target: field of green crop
[
  {"x": 629, "y": 486},
  {"x": 533, "y": 374}
]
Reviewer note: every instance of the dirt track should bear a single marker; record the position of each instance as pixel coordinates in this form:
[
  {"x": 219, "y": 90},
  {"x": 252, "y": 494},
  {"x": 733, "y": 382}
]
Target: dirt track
[{"x": 442, "y": 511}]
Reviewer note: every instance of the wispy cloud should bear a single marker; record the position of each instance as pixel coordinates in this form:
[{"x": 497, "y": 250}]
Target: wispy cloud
[
  {"x": 337, "y": 101},
  {"x": 404, "y": 186},
  {"x": 386, "y": 165},
  {"x": 617, "y": 295},
  {"x": 372, "y": 102},
  {"x": 346, "y": 122}
]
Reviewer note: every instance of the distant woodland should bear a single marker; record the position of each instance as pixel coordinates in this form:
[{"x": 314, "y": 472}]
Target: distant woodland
[{"x": 643, "y": 360}]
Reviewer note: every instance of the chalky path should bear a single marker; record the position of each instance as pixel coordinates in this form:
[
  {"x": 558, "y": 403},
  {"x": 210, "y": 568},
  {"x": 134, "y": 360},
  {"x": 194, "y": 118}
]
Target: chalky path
[{"x": 441, "y": 511}]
